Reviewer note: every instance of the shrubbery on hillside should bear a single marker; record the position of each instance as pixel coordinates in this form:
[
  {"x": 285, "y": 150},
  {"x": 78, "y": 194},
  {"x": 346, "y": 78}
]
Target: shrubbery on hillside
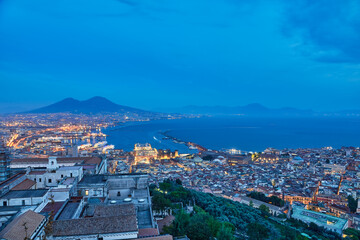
[{"x": 223, "y": 219}]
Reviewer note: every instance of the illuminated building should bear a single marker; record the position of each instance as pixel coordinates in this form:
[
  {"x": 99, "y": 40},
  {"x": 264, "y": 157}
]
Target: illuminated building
[
  {"x": 339, "y": 211},
  {"x": 233, "y": 151},
  {"x": 271, "y": 151},
  {"x": 297, "y": 198},
  {"x": 334, "y": 169},
  {"x": 144, "y": 153},
  {"x": 268, "y": 158},
  {"x": 234, "y": 160},
  {"x": 167, "y": 154}
]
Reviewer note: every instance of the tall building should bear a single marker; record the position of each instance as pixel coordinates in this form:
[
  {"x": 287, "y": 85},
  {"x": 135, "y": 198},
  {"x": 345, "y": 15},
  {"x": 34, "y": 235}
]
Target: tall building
[
  {"x": 4, "y": 163},
  {"x": 144, "y": 153}
]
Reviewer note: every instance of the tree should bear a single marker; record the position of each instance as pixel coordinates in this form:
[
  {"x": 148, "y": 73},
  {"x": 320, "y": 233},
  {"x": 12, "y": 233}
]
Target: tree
[
  {"x": 199, "y": 228},
  {"x": 264, "y": 209},
  {"x": 49, "y": 225},
  {"x": 257, "y": 231},
  {"x": 272, "y": 200},
  {"x": 165, "y": 186},
  {"x": 276, "y": 201},
  {"x": 259, "y": 196},
  {"x": 178, "y": 181},
  {"x": 214, "y": 225},
  {"x": 314, "y": 227},
  {"x": 215, "y": 214},
  {"x": 160, "y": 203},
  {"x": 352, "y": 234},
  {"x": 352, "y": 203},
  {"x": 179, "y": 225},
  {"x": 225, "y": 233},
  {"x": 179, "y": 195}
]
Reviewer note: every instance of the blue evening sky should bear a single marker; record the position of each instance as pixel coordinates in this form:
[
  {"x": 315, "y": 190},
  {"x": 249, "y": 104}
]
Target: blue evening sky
[{"x": 171, "y": 53}]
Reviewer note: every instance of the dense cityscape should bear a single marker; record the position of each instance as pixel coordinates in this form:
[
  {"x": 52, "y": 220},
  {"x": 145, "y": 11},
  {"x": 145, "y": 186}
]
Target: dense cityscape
[
  {"x": 180, "y": 120},
  {"x": 61, "y": 179}
]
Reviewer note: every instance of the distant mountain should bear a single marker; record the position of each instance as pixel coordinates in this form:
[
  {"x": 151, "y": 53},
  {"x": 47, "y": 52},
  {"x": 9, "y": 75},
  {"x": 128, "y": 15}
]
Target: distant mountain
[
  {"x": 91, "y": 106},
  {"x": 254, "y": 109}
]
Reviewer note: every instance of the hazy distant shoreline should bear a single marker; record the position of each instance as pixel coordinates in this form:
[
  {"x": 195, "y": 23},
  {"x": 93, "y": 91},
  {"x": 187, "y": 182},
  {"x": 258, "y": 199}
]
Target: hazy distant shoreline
[{"x": 248, "y": 134}]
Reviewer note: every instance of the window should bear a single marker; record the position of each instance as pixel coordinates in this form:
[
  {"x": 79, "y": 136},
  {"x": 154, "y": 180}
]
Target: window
[
  {"x": 86, "y": 192},
  {"x": 70, "y": 174},
  {"x": 4, "y": 203},
  {"x": 23, "y": 202},
  {"x": 49, "y": 180},
  {"x": 39, "y": 179},
  {"x": 62, "y": 176}
]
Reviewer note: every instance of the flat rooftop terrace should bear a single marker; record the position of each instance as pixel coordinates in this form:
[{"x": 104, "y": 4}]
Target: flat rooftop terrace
[
  {"x": 102, "y": 178},
  {"x": 319, "y": 219},
  {"x": 68, "y": 211}
]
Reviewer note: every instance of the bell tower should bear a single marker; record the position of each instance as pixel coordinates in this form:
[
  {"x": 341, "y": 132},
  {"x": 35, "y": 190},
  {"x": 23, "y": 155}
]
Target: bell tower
[{"x": 52, "y": 164}]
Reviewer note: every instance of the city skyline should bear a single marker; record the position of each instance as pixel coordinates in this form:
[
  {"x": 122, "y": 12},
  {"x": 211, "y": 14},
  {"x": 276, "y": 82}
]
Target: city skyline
[
  {"x": 180, "y": 119},
  {"x": 158, "y": 54}
]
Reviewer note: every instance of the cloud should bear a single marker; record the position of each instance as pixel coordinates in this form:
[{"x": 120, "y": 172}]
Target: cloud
[{"x": 326, "y": 30}]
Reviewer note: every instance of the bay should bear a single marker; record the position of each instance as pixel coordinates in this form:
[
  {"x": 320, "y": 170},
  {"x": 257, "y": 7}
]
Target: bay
[{"x": 248, "y": 134}]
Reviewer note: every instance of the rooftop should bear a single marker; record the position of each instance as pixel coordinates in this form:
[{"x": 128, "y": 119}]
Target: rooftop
[
  {"x": 107, "y": 219},
  {"x": 37, "y": 172},
  {"x": 68, "y": 181},
  {"x": 52, "y": 207},
  {"x": 15, "y": 229},
  {"x": 66, "y": 168},
  {"x": 102, "y": 178},
  {"x": 114, "y": 210},
  {"x": 319, "y": 219},
  {"x": 68, "y": 211},
  {"x": 86, "y": 160},
  {"x": 25, "y": 193},
  {"x": 93, "y": 179},
  {"x": 11, "y": 179},
  {"x": 24, "y": 185}
]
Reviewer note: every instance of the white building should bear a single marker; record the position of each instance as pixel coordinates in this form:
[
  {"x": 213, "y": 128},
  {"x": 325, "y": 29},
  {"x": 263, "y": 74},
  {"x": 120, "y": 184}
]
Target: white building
[{"x": 24, "y": 198}]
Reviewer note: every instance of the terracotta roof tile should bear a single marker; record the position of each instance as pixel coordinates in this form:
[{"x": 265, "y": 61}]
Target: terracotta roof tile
[
  {"x": 52, "y": 207},
  {"x": 115, "y": 210},
  {"x": 95, "y": 225},
  {"x": 106, "y": 219},
  {"x": 15, "y": 229},
  {"x": 165, "y": 222},
  {"x": 24, "y": 185},
  {"x": 145, "y": 232}
]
